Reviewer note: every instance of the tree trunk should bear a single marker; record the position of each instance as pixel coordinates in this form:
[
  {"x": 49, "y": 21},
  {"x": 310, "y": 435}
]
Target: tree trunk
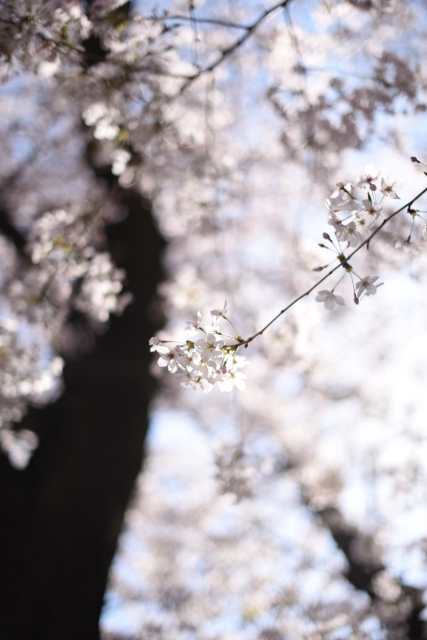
[{"x": 60, "y": 518}]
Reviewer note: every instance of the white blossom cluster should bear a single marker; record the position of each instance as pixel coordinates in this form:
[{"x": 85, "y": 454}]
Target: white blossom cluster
[
  {"x": 101, "y": 288},
  {"x": 64, "y": 271},
  {"x": 61, "y": 242},
  {"x": 355, "y": 212},
  {"x": 22, "y": 378},
  {"x": 62, "y": 246},
  {"x": 32, "y": 34},
  {"x": 363, "y": 204},
  {"x": 208, "y": 359}
]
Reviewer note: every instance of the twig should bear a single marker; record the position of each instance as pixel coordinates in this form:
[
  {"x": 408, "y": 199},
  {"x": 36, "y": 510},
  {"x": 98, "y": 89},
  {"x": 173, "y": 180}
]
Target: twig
[
  {"x": 216, "y": 21},
  {"x": 232, "y": 48},
  {"x": 61, "y": 43},
  {"x": 345, "y": 261}
]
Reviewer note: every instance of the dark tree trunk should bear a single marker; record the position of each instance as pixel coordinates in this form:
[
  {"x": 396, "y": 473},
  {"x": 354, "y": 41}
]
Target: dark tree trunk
[{"x": 60, "y": 518}]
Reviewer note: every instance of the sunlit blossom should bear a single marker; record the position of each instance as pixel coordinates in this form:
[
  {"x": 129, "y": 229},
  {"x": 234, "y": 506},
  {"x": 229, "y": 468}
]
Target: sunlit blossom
[
  {"x": 390, "y": 185},
  {"x": 368, "y": 179}
]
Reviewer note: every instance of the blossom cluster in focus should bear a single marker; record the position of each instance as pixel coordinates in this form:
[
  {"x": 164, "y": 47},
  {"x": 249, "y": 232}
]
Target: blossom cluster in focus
[
  {"x": 209, "y": 358},
  {"x": 355, "y": 212},
  {"x": 356, "y": 215}
]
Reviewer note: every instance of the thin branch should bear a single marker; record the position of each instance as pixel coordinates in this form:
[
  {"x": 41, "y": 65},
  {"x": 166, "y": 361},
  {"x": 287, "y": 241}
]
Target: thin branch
[
  {"x": 61, "y": 43},
  {"x": 216, "y": 21},
  {"x": 196, "y": 35},
  {"x": 45, "y": 38},
  {"x": 238, "y": 43},
  {"x": 346, "y": 259}
]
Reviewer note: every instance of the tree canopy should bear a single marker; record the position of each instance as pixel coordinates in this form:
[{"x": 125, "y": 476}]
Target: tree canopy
[{"x": 233, "y": 121}]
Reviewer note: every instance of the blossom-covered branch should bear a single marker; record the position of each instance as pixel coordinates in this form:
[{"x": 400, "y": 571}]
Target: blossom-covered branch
[
  {"x": 343, "y": 262},
  {"x": 213, "y": 357}
]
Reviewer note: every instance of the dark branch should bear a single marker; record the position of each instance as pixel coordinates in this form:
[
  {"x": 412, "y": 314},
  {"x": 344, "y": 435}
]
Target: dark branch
[
  {"x": 236, "y": 45},
  {"x": 401, "y": 617},
  {"x": 216, "y": 21}
]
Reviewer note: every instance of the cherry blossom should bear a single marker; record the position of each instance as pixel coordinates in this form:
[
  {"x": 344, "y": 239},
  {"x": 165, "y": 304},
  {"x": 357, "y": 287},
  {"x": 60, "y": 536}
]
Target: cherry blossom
[
  {"x": 205, "y": 362},
  {"x": 367, "y": 181},
  {"x": 167, "y": 359},
  {"x": 344, "y": 195},
  {"x": 193, "y": 326},
  {"x": 232, "y": 379},
  {"x": 154, "y": 342},
  {"x": 329, "y": 299},
  {"x": 347, "y": 233},
  {"x": 220, "y": 312},
  {"x": 371, "y": 212},
  {"x": 407, "y": 246},
  {"x": 366, "y": 286},
  {"x": 209, "y": 348},
  {"x": 390, "y": 185}
]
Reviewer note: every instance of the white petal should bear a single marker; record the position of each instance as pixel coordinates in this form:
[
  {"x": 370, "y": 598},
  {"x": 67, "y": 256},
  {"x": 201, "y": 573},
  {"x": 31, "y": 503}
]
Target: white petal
[
  {"x": 163, "y": 350},
  {"x": 322, "y": 296}
]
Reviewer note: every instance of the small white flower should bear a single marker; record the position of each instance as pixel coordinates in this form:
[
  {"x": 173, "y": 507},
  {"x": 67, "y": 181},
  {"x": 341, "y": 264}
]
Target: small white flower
[
  {"x": 348, "y": 233},
  {"x": 185, "y": 358},
  {"x": 353, "y": 236},
  {"x": 232, "y": 379},
  {"x": 345, "y": 198},
  {"x": 367, "y": 286},
  {"x": 341, "y": 191},
  {"x": 240, "y": 361},
  {"x": 329, "y": 299},
  {"x": 195, "y": 379},
  {"x": 215, "y": 359},
  {"x": 220, "y": 312},
  {"x": 167, "y": 359},
  {"x": 153, "y": 342},
  {"x": 370, "y": 213},
  {"x": 331, "y": 208},
  {"x": 193, "y": 326},
  {"x": 334, "y": 222},
  {"x": 207, "y": 347},
  {"x": 206, "y": 385},
  {"x": 367, "y": 180},
  {"x": 407, "y": 246},
  {"x": 390, "y": 185},
  {"x": 361, "y": 224},
  {"x": 189, "y": 380}
]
